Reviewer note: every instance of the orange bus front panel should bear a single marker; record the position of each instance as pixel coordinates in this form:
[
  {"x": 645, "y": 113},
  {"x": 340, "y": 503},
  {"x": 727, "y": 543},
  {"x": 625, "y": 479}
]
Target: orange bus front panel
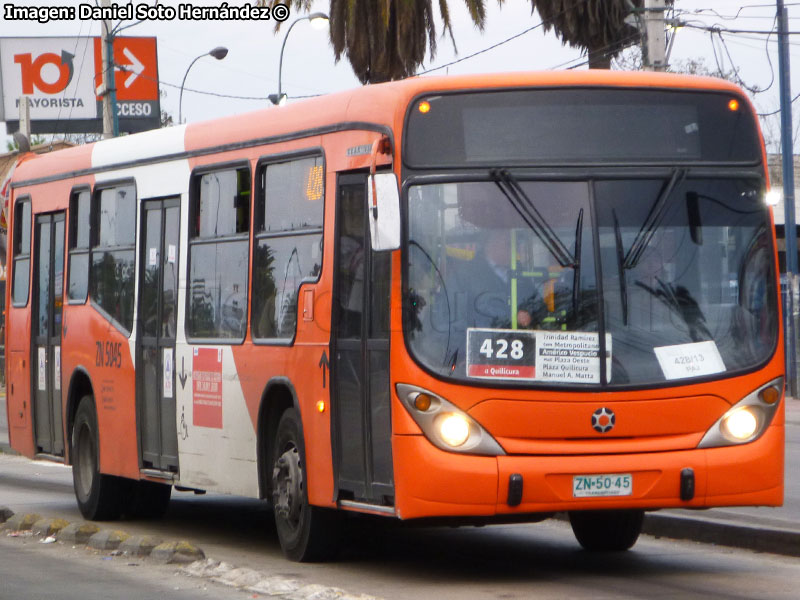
[
  {"x": 752, "y": 470},
  {"x": 434, "y": 483}
]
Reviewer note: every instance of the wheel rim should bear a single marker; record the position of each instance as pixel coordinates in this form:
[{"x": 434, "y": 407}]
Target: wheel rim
[
  {"x": 287, "y": 486},
  {"x": 85, "y": 461}
]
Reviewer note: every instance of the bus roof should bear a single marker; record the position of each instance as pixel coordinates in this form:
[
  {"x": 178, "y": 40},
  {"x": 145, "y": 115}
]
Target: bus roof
[{"x": 381, "y": 105}]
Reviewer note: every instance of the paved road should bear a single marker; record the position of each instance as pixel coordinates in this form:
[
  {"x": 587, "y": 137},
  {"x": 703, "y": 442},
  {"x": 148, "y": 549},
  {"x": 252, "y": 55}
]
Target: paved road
[
  {"x": 30, "y": 570},
  {"x": 760, "y": 528},
  {"x": 392, "y": 562}
]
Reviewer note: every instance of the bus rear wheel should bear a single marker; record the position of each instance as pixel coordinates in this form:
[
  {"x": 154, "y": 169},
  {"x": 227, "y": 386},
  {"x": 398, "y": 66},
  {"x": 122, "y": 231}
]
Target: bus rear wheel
[
  {"x": 306, "y": 533},
  {"x": 100, "y": 497},
  {"x": 606, "y": 530}
]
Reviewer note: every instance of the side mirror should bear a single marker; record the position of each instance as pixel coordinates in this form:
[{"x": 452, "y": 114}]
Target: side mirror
[{"x": 383, "y": 210}]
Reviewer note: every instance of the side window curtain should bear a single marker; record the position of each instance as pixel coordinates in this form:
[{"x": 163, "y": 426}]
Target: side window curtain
[
  {"x": 218, "y": 255},
  {"x": 288, "y": 247},
  {"x": 111, "y": 284},
  {"x": 22, "y": 252},
  {"x": 78, "y": 287}
]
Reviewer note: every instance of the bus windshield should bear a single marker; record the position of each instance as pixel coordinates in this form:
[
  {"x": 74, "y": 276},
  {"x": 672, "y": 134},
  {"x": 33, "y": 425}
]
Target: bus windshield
[{"x": 668, "y": 278}]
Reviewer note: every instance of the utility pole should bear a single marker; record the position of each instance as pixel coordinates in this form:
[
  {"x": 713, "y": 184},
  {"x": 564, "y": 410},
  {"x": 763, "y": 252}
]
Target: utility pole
[
  {"x": 655, "y": 41},
  {"x": 109, "y": 91},
  {"x": 790, "y": 227},
  {"x": 25, "y": 119}
]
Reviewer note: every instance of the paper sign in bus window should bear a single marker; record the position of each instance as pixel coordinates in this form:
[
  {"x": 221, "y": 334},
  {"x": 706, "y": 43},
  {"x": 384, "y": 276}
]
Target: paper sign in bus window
[
  {"x": 501, "y": 354},
  {"x": 570, "y": 356},
  {"x": 689, "y": 360},
  {"x": 207, "y": 387},
  {"x": 42, "y": 354},
  {"x": 523, "y": 355},
  {"x": 57, "y": 376},
  {"x": 167, "y": 374}
]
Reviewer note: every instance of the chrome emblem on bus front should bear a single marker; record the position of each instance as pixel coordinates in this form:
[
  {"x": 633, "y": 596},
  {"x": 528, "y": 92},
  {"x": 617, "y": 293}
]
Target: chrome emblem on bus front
[{"x": 603, "y": 420}]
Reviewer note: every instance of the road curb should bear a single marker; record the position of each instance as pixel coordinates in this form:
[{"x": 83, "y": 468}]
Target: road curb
[
  {"x": 139, "y": 545},
  {"x": 23, "y": 522},
  {"x": 77, "y": 533},
  {"x": 107, "y": 539},
  {"x": 723, "y": 533},
  {"x": 48, "y": 527},
  {"x": 94, "y": 538},
  {"x": 177, "y": 552}
]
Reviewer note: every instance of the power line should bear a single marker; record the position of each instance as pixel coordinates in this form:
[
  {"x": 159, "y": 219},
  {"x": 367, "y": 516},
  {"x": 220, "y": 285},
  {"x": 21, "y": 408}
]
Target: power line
[
  {"x": 717, "y": 29},
  {"x": 216, "y": 94},
  {"x": 492, "y": 47},
  {"x": 775, "y": 112}
]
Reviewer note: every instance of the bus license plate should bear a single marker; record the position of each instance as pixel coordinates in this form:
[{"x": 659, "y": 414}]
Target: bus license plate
[{"x": 587, "y": 486}]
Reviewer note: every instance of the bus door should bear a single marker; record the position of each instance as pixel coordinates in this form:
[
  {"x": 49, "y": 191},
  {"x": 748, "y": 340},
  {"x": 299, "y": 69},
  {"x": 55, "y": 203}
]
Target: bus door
[
  {"x": 155, "y": 343},
  {"x": 48, "y": 298},
  {"x": 360, "y": 361}
]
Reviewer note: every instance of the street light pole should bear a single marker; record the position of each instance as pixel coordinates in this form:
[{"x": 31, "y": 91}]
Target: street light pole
[
  {"x": 789, "y": 227},
  {"x": 219, "y": 53},
  {"x": 314, "y": 18}
]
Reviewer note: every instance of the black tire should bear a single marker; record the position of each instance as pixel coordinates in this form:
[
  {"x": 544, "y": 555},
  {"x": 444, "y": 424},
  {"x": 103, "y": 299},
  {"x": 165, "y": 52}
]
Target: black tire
[
  {"x": 306, "y": 533},
  {"x": 100, "y": 497},
  {"x": 607, "y": 530},
  {"x": 148, "y": 500}
]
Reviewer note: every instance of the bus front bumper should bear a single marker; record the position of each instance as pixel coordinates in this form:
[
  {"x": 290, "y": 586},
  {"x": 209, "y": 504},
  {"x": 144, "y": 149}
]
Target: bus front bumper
[{"x": 433, "y": 483}]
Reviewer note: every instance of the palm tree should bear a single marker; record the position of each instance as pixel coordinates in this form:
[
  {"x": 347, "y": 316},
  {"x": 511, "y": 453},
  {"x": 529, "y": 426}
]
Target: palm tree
[
  {"x": 386, "y": 39},
  {"x": 598, "y": 26}
]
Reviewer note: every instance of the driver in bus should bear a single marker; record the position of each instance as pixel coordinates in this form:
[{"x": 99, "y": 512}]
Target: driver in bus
[
  {"x": 488, "y": 279},
  {"x": 492, "y": 278}
]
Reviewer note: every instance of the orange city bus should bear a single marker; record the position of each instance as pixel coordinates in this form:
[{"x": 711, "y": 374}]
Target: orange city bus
[{"x": 467, "y": 300}]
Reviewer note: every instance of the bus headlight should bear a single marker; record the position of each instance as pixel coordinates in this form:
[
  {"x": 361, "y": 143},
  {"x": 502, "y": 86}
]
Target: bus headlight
[
  {"x": 741, "y": 424},
  {"x": 748, "y": 419},
  {"x": 453, "y": 429},
  {"x": 444, "y": 424}
]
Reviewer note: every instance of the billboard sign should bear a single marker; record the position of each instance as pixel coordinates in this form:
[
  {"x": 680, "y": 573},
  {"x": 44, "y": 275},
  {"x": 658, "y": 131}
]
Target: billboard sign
[
  {"x": 136, "y": 76},
  {"x": 61, "y": 76}
]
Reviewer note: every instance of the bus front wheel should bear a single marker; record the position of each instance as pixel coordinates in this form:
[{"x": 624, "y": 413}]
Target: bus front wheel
[
  {"x": 99, "y": 496},
  {"x": 606, "y": 530},
  {"x": 306, "y": 533}
]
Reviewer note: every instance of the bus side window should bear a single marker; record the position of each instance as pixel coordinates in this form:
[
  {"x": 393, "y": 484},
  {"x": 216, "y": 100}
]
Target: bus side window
[
  {"x": 111, "y": 282},
  {"x": 78, "y": 287},
  {"x": 218, "y": 248},
  {"x": 22, "y": 252},
  {"x": 288, "y": 249}
]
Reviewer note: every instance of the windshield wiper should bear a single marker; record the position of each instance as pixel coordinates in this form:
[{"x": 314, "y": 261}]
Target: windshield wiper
[
  {"x": 576, "y": 278},
  {"x": 653, "y": 220},
  {"x": 623, "y": 285},
  {"x": 527, "y": 210}
]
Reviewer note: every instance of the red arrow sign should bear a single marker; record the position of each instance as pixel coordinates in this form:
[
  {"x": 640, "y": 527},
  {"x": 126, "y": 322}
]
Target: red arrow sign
[{"x": 136, "y": 72}]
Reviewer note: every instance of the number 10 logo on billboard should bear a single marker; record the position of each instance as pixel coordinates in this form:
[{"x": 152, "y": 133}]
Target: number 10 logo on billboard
[{"x": 35, "y": 70}]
